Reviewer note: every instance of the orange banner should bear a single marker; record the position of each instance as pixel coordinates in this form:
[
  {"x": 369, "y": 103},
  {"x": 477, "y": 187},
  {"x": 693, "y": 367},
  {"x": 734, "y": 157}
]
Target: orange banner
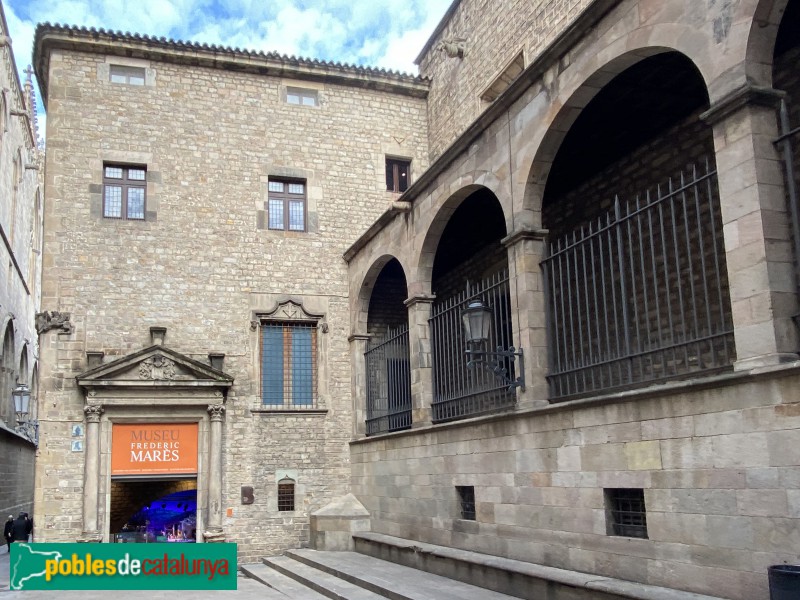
[{"x": 153, "y": 448}]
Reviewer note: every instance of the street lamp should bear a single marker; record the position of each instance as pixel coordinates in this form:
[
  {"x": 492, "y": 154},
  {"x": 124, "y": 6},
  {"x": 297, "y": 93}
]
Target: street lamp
[
  {"x": 25, "y": 426},
  {"x": 477, "y": 320}
]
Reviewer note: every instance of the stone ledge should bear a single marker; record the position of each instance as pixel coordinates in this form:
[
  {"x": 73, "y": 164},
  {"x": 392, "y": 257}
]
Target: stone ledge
[
  {"x": 478, "y": 564},
  {"x": 671, "y": 388}
]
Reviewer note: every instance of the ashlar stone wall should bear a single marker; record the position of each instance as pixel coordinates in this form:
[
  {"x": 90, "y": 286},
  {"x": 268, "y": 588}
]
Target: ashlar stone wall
[{"x": 203, "y": 262}]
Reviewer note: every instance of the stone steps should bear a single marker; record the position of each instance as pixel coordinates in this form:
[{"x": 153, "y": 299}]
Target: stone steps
[{"x": 314, "y": 575}]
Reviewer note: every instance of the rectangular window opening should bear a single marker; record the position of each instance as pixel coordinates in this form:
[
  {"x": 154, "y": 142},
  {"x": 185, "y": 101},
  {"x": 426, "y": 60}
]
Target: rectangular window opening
[
  {"x": 127, "y": 75},
  {"x": 466, "y": 501},
  {"x": 286, "y": 205},
  {"x": 302, "y": 96},
  {"x": 288, "y": 365},
  {"x": 626, "y": 512},
  {"x": 398, "y": 174},
  {"x": 124, "y": 192}
]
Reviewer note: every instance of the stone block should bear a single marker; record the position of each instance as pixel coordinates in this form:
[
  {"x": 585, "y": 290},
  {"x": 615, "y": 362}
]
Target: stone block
[{"x": 643, "y": 455}]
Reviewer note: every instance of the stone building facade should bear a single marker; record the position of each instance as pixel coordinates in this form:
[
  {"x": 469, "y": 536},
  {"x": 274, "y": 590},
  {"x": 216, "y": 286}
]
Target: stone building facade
[
  {"x": 207, "y": 265},
  {"x": 21, "y": 188},
  {"x": 613, "y": 187}
]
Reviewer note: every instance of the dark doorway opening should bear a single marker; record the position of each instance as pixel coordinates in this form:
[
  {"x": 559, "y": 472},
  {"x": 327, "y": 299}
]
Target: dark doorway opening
[{"x": 150, "y": 511}]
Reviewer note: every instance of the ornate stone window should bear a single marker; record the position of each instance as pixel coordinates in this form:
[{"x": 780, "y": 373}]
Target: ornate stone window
[
  {"x": 124, "y": 191},
  {"x": 288, "y": 357}
]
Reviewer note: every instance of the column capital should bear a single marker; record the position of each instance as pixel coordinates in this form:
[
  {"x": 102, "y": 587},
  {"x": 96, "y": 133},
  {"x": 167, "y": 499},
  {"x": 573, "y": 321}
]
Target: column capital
[
  {"x": 359, "y": 337},
  {"x": 419, "y": 299},
  {"x": 93, "y": 412},
  {"x": 217, "y": 411},
  {"x": 735, "y": 100}
]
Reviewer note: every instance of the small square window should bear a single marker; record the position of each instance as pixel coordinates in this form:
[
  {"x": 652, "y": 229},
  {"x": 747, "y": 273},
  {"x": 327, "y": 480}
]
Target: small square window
[
  {"x": 626, "y": 514},
  {"x": 397, "y": 174},
  {"x": 127, "y": 75},
  {"x": 466, "y": 501},
  {"x": 124, "y": 192},
  {"x": 286, "y": 495},
  {"x": 302, "y": 96},
  {"x": 286, "y": 205}
]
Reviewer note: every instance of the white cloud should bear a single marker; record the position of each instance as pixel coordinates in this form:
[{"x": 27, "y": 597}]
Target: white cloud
[{"x": 381, "y": 33}]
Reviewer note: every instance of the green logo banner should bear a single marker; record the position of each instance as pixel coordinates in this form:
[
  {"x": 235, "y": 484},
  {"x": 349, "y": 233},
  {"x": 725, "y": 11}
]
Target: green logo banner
[{"x": 122, "y": 566}]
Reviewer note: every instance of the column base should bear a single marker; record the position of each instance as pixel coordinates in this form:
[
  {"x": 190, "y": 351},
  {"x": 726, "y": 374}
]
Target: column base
[
  {"x": 214, "y": 536},
  {"x": 90, "y": 537},
  {"x": 765, "y": 360}
]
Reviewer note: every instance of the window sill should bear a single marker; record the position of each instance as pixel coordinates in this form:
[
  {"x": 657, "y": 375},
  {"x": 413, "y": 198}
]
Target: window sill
[{"x": 290, "y": 411}]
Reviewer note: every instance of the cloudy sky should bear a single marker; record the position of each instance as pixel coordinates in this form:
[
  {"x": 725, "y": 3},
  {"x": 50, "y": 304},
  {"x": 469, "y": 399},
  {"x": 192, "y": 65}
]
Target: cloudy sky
[{"x": 381, "y": 33}]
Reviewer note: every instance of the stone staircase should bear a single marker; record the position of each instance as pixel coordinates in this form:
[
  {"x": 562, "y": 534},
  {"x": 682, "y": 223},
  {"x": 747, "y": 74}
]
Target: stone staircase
[
  {"x": 388, "y": 567},
  {"x": 321, "y": 575}
]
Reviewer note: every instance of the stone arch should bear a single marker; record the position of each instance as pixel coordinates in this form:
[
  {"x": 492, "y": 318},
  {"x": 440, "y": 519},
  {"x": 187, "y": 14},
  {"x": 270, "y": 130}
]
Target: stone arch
[
  {"x": 761, "y": 38},
  {"x": 367, "y": 287},
  {"x": 572, "y": 105},
  {"x": 8, "y": 372},
  {"x": 23, "y": 372},
  {"x": 438, "y": 224}
]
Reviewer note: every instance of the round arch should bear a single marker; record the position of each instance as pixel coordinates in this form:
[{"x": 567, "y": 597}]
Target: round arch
[
  {"x": 761, "y": 38},
  {"x": 439, "y": 222},
  {"x": 367, "y": 287},
  {"x": 575, "y": 101}
]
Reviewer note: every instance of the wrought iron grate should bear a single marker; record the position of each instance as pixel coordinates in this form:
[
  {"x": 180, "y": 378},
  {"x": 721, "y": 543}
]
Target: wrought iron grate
[
  {"x": 461, "y": 389},
  {"x": 641, "y": 294},
  {"x": 388, "y": 382},
  {"x": 627, "y": 511}
]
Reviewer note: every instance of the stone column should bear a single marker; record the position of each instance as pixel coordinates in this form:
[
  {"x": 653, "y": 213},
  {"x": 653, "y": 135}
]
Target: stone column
[
  {"x": 763, "y": 290},
  {"x": 214, "y": 531},
  {"x": 358, "y": 346},
  {"x": 526, "y": 248},
  {"x": 91, "y": 474},
  {"x": 419, "y": 347}
]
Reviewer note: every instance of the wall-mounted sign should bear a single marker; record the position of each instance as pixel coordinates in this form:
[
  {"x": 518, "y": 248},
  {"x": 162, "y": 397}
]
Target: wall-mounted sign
[{"x": 154, "y": 448}]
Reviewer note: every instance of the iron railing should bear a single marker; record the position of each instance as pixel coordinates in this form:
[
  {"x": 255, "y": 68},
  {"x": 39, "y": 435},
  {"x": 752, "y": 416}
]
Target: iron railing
[
  {"x": 641, "y": 294},
  {"x": 461, "y": 389},
  {"x": 388, "y": 382}
]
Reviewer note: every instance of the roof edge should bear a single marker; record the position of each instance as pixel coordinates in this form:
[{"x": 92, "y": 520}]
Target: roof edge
[{"x": 48, "y": 37}]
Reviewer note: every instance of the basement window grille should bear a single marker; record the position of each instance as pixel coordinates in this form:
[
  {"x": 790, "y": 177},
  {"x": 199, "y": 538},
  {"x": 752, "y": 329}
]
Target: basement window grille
[
  {"x": 627, "y": 513},
  {"x": 466, "y": 501}
]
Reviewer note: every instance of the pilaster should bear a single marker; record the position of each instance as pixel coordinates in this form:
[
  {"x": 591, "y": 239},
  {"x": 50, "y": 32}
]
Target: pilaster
[{"x": 763, "y": 290}]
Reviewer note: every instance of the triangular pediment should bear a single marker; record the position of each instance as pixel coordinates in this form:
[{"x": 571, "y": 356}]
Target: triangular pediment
[{"x": 155, "y": 366}]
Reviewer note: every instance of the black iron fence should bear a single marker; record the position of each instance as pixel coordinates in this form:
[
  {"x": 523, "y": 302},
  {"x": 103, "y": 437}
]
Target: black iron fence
[
  {"x": 388, "y": 382},
  {"x": 462, "y": 388},
  {"x": 641, "y": 294}
]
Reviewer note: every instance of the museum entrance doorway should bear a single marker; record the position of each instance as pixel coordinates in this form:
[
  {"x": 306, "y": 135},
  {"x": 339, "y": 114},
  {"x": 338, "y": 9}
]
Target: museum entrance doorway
[
  {"x": 153, "y": 510},
  {"x": 153, "y": 487}
]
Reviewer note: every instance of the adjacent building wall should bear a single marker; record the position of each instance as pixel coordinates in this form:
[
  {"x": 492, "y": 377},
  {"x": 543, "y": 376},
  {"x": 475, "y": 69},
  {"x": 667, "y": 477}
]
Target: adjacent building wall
[{"x": 20, "y": 260}]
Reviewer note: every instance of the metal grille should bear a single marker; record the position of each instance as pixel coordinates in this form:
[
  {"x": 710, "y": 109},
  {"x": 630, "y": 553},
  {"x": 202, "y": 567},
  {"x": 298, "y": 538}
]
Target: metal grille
[
  {"x": 641, "y": 294},
  {"x": 466, "y": 501},
  {"x": 787, "y": 144},
  {"x": 288, "y": 365},
  {"x": 286, "y": 496},
  {"x": 627, "y": 510},
  {"x": 388, "y": 382},
  {"x": 461, "y": 390}
]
